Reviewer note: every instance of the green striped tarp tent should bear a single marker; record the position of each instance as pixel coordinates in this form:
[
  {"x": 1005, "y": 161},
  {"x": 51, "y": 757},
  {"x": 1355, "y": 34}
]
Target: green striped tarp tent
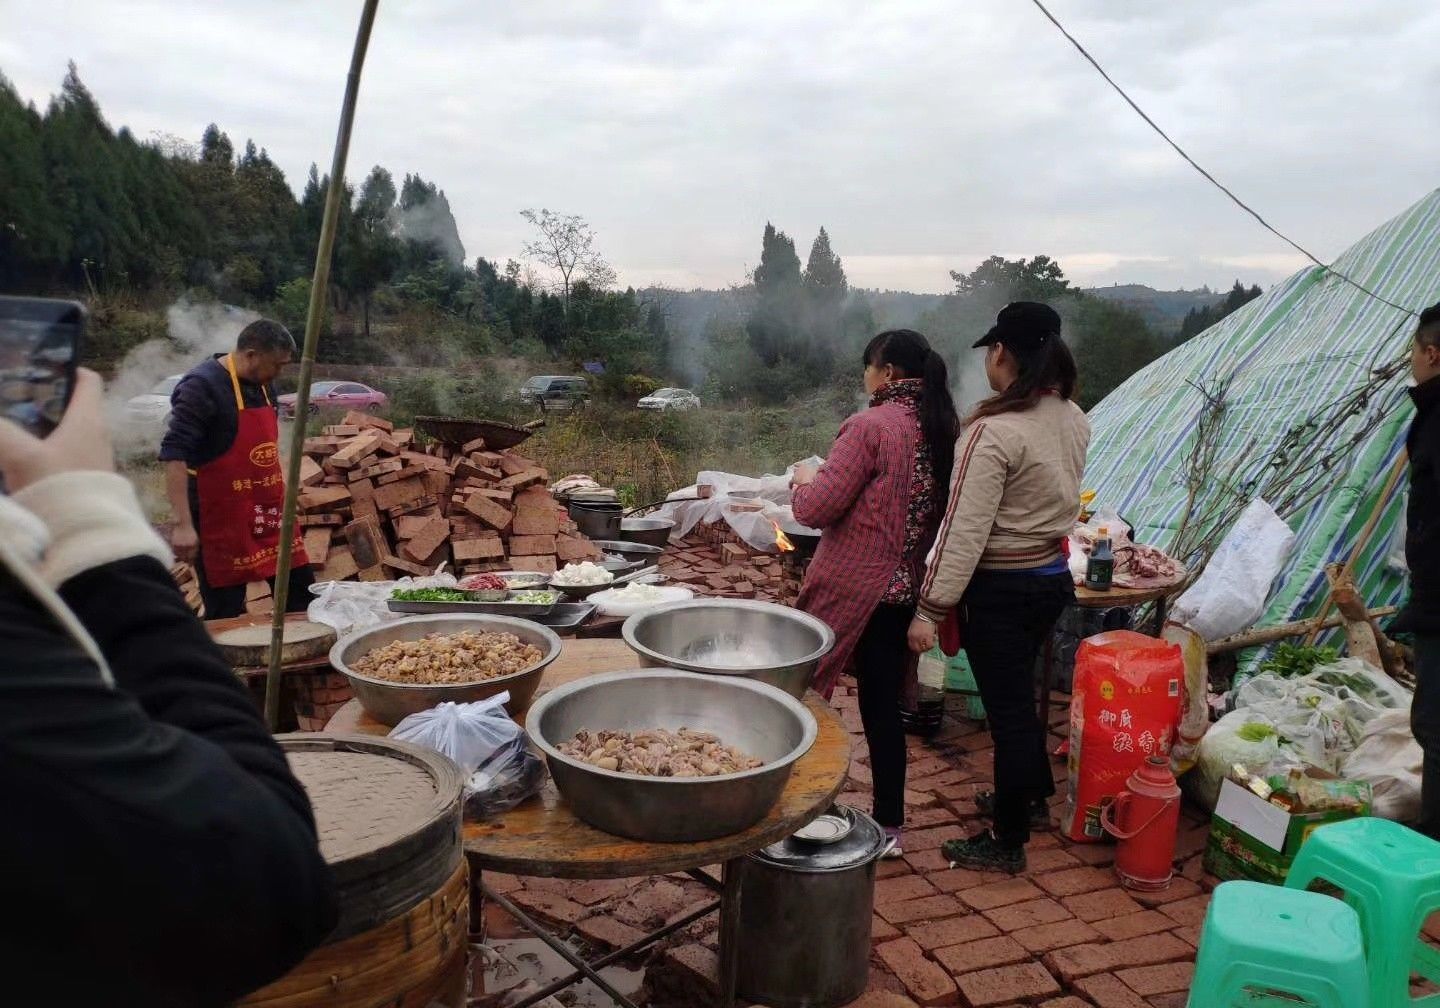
[{"x": 1305, "y": 342}]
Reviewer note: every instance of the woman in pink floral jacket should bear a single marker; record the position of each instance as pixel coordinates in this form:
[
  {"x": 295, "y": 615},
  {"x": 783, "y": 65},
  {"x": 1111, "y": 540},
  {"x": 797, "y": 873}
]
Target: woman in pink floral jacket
[{"x": 878, "y": 500}]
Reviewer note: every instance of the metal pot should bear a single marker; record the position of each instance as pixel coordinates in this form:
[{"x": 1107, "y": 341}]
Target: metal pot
[
  {"x": 805, "y": 917},
  {"x": 647, "y": 531},
  {"x": 596, "y": 519}
]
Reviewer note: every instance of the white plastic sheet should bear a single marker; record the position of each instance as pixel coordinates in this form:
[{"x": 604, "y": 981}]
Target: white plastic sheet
[
  {"x": 755, "y": 528},
  {"x": 1390, "y": 759},
  {"x": 347, "y": 606},
  {"x": 1231, "y": 593}
]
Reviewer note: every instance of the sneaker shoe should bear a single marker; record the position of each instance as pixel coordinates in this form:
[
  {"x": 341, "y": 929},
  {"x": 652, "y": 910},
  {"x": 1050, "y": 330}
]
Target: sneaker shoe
[
  {"x": 983, "y": 852},
  {"x": 1039, "y": 809},
  {"x": 896, "y": 849}
]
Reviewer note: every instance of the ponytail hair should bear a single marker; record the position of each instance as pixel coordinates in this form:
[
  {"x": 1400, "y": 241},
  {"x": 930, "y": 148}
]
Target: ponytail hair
[
  {"x": 1045, "y": 366},
  {"x": 911, "y": 355}
]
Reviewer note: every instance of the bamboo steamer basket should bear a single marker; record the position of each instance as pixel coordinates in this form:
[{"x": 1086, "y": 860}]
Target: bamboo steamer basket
[{"x": 388, "y": 816}]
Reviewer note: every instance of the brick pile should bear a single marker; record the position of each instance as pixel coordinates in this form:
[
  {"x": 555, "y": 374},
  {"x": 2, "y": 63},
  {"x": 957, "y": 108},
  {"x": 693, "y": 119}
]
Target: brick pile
[
  {"x": 1064, "y": 934},
  {"x": 714, "y": 561},
  {"x": 374, "y": 506}
]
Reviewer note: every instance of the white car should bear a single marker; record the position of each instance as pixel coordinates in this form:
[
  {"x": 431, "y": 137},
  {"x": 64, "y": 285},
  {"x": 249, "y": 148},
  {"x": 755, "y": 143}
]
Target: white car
[
  {"x": 151, "y": 412},
  {"x": 670, "y": 399}
]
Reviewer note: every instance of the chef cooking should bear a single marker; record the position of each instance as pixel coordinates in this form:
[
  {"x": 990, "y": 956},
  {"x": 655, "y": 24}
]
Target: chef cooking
[{"x": 222, "y": 472}]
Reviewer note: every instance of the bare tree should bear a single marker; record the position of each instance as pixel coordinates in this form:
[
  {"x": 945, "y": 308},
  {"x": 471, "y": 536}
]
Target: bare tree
[{"x": 567, "y": 246}]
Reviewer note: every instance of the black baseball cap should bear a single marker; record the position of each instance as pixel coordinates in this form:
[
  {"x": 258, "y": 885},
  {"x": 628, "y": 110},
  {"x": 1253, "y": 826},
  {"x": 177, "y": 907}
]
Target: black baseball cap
[{"x": 1024, "y": 325}]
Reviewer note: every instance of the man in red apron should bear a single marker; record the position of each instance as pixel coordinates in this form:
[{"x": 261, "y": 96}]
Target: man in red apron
[{"x": 223, "y": 477}]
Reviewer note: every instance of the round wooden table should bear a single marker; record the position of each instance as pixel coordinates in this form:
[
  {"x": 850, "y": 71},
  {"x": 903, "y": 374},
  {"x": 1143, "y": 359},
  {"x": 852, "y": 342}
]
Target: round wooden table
[{"x": 542, "y": 837}]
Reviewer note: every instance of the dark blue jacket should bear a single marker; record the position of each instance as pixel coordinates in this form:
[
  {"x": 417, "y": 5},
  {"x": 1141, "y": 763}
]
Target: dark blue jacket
[{"x": 203, "y": 419}]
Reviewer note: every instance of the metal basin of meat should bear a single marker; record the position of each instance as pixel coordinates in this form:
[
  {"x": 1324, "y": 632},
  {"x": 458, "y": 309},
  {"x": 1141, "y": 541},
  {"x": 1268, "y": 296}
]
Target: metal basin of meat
[
  {"x": 735, "y": 638},
  {"x": 756, "y": 719},
  {"x": 389, "y": 702}
]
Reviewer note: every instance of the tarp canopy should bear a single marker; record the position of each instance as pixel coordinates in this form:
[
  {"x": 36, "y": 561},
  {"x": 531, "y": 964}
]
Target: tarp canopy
[{"x": 1304, "y": 343}]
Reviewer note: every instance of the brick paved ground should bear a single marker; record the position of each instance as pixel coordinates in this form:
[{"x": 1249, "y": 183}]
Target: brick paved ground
[{"x": 1063, "y": 935}]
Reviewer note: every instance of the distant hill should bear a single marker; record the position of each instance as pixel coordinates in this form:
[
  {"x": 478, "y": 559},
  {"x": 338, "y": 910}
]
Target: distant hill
[{"x": 1163, "y": 310}]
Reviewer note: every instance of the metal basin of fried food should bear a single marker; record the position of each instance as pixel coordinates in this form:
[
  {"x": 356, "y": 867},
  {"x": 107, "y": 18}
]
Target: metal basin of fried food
[
  {"x": 752, "y": 717},
  {"x": 734, "y": 638},
  {"x": 389, "y": 702}
]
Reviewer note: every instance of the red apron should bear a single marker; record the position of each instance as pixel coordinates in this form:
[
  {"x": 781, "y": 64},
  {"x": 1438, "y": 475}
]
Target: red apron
[{"x": 242, "y": 496}]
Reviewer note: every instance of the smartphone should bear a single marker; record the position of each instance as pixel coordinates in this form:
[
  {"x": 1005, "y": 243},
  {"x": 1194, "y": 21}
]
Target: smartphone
[{"x": 39, "y": 352}]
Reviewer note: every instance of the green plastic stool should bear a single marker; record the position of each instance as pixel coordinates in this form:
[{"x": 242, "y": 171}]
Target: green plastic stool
[
  {"x": 1391, "y": 876},
  {"x": 1263, "y": 945},
  {"x": 959, "y": 679}
]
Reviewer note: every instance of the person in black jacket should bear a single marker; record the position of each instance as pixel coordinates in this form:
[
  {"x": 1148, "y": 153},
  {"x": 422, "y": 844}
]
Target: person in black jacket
[
  {"x": 1421, "y": 615},
  {"x": 155, "y": 848}
]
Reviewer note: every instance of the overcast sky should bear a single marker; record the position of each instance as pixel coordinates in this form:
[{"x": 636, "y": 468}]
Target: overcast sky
[{"x": 923, "y": 134}]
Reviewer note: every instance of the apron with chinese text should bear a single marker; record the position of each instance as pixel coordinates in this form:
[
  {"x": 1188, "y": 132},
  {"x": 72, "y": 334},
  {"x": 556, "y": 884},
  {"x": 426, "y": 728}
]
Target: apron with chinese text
[{"x": 242, "y": 495}]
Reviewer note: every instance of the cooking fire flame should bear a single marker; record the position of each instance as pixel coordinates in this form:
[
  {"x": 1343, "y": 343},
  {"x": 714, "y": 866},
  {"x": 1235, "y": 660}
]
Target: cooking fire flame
[{"x": 781, "y": 539}]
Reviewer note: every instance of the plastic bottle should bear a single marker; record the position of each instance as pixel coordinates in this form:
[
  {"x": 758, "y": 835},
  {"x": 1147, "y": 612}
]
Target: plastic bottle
[{"x": 1100, "y": 568}]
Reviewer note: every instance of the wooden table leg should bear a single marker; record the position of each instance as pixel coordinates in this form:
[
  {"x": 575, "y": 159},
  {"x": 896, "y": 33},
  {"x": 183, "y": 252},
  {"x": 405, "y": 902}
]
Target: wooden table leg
[{"x": 730, "y": 931}]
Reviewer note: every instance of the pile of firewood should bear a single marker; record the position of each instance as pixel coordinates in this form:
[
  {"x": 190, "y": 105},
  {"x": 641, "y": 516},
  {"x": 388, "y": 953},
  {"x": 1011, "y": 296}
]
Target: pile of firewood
[{"x": 372, "y": 506}]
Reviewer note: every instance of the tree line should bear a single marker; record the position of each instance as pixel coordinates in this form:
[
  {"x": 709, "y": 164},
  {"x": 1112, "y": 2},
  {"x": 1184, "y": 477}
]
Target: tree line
[{"x": 91, "y": 210}]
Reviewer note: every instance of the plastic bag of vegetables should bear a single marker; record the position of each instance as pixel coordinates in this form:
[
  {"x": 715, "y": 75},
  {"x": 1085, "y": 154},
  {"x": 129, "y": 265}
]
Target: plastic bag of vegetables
[{"x": 1241, "y": 737}]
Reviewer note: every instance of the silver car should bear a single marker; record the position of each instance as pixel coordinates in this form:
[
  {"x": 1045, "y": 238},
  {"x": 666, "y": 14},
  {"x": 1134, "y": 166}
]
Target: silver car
[
  {"x": 150, "y": 412},
  {"x": 670, "y": 399}
]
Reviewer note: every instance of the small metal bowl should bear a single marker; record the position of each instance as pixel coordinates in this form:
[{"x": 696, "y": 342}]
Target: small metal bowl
[
  {"x": 390, "y": 702},
  {"x": 634, "y": 552},
  {"x": 759, "y": 720}
]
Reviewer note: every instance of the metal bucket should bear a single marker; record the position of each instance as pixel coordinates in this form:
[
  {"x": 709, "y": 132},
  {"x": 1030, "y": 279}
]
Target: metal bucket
[
  {"x": 805, "y": 917},
  {"x": 596, "y": 520}
]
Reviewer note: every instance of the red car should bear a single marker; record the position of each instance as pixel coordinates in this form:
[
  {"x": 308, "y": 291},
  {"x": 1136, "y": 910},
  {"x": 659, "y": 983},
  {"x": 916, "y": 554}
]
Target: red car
[{"x": 337, "y": 395}]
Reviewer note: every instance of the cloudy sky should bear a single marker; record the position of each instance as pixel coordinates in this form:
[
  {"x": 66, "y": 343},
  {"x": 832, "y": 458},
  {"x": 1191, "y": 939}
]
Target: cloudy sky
[{"x": 923, "y": 134}]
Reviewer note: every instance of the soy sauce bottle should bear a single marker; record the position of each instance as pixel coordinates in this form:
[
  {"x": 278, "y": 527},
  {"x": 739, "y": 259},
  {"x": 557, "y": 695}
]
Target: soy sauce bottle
[{"x": 1100, "y": 568}]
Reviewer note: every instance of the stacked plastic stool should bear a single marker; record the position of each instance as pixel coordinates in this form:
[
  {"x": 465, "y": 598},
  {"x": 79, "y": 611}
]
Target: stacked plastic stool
[
  {"x": 1390, "y": 875},
  {"x": 1263, "y": 945}
]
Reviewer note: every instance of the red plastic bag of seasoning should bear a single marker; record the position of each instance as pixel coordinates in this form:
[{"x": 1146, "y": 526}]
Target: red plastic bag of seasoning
[{"x": 1125, "y": 706}]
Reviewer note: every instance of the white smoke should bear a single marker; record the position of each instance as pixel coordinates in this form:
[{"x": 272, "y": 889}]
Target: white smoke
[
  {"x": 196, "y": 331},
  {"x": 968, "y": 384}
]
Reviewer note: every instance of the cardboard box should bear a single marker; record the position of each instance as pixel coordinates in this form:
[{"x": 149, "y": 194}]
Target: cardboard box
[{"x": 1251, "y": 838}]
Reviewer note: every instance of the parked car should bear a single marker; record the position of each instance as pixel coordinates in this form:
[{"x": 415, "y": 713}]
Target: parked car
[
  {"x": 556, "y": 393},
  {"x": 150, "y": 413},
  {"x": 670, "y": 399},
  {"x": 337, "y": 395}
]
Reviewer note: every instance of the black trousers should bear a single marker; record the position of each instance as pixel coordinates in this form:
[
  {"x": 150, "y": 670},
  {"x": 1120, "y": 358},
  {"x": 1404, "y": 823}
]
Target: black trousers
[
  {"x": 223, "y": 603},
  {"x": 1006, "y": 618},
  {"x": 881, "y": 658},
  {"x": 1425, "y": 723}
]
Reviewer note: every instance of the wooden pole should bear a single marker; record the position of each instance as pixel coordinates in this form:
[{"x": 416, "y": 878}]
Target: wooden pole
[
  {"x": 1396, "y": 471},
  {"x": 315, "y": 313},
  {"x": 1268, "y": 635}
]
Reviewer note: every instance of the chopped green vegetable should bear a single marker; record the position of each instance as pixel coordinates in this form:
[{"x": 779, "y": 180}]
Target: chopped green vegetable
[
  {"x": 430, "y": 595},
  {"x": 533, "y": 597},
  {"x": 1254, "y": 731},
  {"x": 1289, "y": 661}
]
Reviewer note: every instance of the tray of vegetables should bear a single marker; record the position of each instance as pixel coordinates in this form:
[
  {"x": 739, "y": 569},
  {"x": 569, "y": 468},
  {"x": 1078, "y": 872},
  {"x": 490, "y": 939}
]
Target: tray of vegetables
[{"x": 481, "y": 593}]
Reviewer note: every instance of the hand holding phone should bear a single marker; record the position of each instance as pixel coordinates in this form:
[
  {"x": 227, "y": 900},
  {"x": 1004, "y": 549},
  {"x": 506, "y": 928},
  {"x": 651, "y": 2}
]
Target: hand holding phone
[
  {"x": 39, "y": 352},
  {"x": 81, "y": 443}
]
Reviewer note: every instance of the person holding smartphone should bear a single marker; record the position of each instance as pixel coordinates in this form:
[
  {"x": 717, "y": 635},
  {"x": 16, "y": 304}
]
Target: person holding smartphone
[
  {"x": 223, "y": 476},
  {"x": 157, "y": 850}
]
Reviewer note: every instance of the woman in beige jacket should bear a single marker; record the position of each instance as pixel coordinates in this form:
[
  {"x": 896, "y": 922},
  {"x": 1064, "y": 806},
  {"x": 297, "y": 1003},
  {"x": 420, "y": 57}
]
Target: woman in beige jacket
[{"x": 1014, "y": 498}]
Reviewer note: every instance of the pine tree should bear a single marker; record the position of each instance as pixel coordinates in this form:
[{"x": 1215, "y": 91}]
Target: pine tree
[{"x": 774, "y": 327}]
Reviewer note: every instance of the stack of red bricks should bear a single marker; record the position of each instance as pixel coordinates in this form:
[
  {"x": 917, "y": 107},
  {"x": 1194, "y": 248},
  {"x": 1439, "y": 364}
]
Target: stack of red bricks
[
  {"x": 1064, "y": 934},
  {"x": 375, "y": 507},
  {"x": 715, "y": 562}
]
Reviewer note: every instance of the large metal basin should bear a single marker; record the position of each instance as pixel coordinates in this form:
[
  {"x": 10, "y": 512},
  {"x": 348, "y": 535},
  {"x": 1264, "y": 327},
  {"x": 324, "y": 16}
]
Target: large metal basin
[
  {"x": 757, "y": 719},
  {"x": 735, "y": 638},
  {"x": 389, "y": 702},
  {"x": 647, "y": 531}
]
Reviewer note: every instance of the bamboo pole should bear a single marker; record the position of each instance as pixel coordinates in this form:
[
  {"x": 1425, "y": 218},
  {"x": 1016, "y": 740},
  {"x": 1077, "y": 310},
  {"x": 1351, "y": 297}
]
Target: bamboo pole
[
  {"x": 319, "y": 289},
  {"x": 1362, "y": 540}
]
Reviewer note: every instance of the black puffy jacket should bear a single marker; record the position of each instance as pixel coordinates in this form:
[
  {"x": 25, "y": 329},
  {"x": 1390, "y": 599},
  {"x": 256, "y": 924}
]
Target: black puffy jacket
[
  {"x": 155, "y": 848},
  {"x": 1422, "y": 520}
]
